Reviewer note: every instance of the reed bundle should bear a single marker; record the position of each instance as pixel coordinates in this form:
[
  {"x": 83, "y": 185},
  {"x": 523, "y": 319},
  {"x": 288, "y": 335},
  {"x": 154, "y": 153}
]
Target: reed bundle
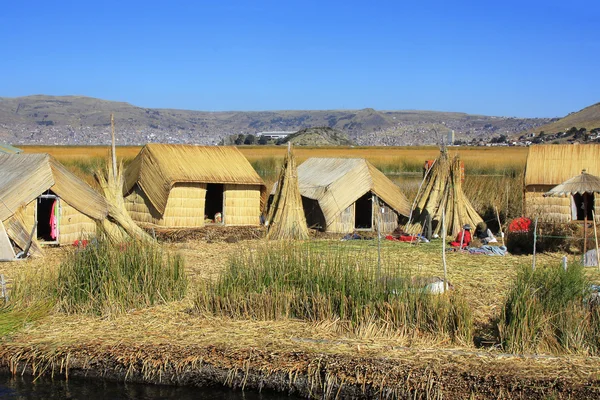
[
  {"x": 285, "y": 218},
  {"x": 119, "y": 224},
  {"x": 442, "y": 191}
]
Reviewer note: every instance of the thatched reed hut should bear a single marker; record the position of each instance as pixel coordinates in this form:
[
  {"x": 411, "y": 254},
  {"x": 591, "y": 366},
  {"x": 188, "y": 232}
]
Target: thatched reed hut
[
  {"x": 36, "y": 187},
  {"x": 551, "y": 165},
  {"x": 346, "y": 194},
  {"x": 179, "y": 186}
]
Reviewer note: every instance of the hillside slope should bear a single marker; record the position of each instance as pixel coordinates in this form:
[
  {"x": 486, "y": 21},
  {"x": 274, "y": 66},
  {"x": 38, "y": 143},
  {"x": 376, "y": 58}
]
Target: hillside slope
[
  {"x": 79, "y": 120},
  {"x": 319, "y": 136},
  {"x": 588, "y": 118}
]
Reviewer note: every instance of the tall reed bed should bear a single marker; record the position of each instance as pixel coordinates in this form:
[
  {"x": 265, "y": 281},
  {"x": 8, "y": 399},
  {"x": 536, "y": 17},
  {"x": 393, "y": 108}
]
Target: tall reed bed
[
  {"x": 298, "y": 281},
  {"x": 104, "y": 278},
  {"x": 268, "y": 168},
  {"x": 488, "y": 192},
  {"x": 549, "y": 310}
]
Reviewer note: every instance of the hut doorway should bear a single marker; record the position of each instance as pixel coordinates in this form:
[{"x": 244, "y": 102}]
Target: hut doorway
[
  {"x": 363, "y": 212},
  {"x": 582, "y": 206},
  {"x": 48, "y": 218},
  {"x": 313, "y": 213},
  {"x": 213, "y": 203}
]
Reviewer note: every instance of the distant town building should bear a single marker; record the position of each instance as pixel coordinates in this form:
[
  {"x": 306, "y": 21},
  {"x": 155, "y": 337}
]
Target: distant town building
[
  {"x": 450, "y": 137},
  {"x": 275, "y": 135}
]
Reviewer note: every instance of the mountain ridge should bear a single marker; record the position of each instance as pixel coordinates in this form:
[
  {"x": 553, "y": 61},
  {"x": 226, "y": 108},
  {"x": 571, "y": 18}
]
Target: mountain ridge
[{"x": 82, "y": 120}]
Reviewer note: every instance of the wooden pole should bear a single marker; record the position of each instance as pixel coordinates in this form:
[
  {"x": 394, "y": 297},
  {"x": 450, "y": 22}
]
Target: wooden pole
[
  {"x": 506, "y": 207},
  {"x": 596, "y": 238},
  {"x": 534, "y": 242},
  {"x": 585, "y": 235},
  {"x": 444, "y": 250},
  {"x": 500, "y": 225},
  {"x": 113, "y": 146},
  {"x": 376, "y": 201},
  {"x": 3, "y": 284},
  {"x": 585, "y": 222}
]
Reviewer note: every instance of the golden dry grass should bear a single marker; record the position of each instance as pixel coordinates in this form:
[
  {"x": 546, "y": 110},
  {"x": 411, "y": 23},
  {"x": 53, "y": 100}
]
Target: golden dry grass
[
  {"x": 67, "y": 153},
  {"x": 162, "y": 333},
  {"x": 482, "y": 280},
  {"x": 492, "y": 157}
]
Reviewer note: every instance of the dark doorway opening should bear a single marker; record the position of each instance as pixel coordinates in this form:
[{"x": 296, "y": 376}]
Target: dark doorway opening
[
  {"x": 313, "y": 213},
  {"x": 48, "y": 218},
  {"x": 213, "y": 204},
  {"x": 363, "y": 212},
  {"x": 584, "y": 205}
]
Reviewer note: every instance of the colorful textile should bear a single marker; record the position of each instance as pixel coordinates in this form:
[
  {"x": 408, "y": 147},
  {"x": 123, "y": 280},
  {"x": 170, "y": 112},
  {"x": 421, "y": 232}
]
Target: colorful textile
[
  {"x": 521, "y": 224},
  {"x": 407, "y": 238},
  {"x": 488, "y": 250},
  {"x": 463, "y": 237},
  {"x": 54, "y": 220}
]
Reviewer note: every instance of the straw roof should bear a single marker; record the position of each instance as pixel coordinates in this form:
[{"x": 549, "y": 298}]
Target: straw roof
[
  {"x": 336, "y": 183},
  {"x": 286, "y": 219},
  {"x": 583, "y": 183},
  {"x": 8, "y": 149},
  {"x": 554, "y": 164},
  {"x": 23, "y": 177},
  {"x": 159, "y": 166}
]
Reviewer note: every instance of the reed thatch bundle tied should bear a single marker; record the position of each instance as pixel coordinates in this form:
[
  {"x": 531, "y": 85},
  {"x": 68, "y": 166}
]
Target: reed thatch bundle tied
[
  {"x": 285, "y": 216},
  {"x": 119, "y": 225},
  {"x": 441, "y": 190}
]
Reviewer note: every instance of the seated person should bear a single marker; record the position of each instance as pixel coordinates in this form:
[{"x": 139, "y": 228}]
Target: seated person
[
  {"x": 484, "y": 234},
  {"x": 463, "y": 239}
]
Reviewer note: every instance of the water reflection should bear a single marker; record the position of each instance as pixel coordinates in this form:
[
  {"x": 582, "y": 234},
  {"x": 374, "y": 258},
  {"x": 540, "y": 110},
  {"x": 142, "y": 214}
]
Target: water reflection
[{"x": 25, "y": 388}]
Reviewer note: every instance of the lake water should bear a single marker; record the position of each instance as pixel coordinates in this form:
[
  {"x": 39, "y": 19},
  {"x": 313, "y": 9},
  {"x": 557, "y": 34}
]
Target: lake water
[{"x": 25, "y": 388}]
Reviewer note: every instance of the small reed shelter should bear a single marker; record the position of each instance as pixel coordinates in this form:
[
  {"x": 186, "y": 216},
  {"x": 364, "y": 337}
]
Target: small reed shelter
[
  {"x": 347, "y": 194},
  {"x": 37, "y": 188},
  {"x": 285, "y": 215},
  {"x": 181, "y": 186},
  {"x": 551, "y": 165},
  {"x": 441, "y": 195}
]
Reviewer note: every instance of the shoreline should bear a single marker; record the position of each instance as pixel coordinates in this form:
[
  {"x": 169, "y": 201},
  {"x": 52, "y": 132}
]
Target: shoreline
[{"x": 315, "y": 375}]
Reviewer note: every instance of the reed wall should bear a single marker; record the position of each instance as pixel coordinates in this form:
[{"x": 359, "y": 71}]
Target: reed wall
[
  {"x": 73, "y": 225},
  {"x": 185, "y": 207},
  {"x": 389, "y": 218},
  {"x": 242, "y": 204},
  {"x": 344, "y": 222},
  {"x": 550, "y": 209}
]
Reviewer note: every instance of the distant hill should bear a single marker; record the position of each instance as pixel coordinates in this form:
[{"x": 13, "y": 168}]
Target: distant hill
[
  {"x": 319, "y": 136},
  {"x": 588, "y": 118},
  {"x": 79, "y": 120}
]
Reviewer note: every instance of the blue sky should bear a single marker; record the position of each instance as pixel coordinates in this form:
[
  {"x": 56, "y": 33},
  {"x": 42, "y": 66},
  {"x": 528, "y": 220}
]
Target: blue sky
[{"x": 507, "y": 58}]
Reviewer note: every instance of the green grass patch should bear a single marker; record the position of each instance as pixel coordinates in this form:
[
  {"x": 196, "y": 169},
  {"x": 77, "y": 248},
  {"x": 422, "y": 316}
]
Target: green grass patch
[
  {"x": 268, "y": 168},
  {"x": 106, "y": 279},
  {"x": 549, "y": 310}
]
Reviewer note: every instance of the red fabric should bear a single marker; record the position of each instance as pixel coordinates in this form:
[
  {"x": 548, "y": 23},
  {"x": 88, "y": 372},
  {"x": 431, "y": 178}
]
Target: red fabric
[
  {"x": 521, "y": 224},
  {"x": 402, "y": 238},
  {"x": 466, "y": 239},
  {"x": 53, "y": 222}
]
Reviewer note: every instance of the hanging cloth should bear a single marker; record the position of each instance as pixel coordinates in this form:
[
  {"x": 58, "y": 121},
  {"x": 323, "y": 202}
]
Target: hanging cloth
[{"x": 54, "y": 220}]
